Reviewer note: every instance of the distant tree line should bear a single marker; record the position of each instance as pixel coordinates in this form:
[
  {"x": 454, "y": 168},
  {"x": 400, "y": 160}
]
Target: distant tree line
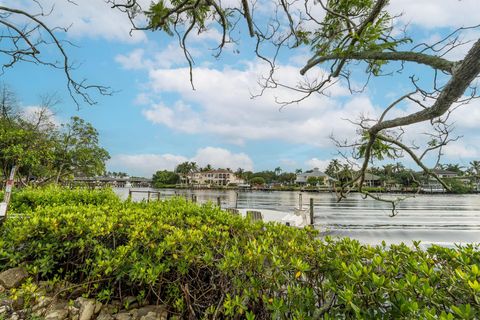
[{"x": 388, "y": 174}]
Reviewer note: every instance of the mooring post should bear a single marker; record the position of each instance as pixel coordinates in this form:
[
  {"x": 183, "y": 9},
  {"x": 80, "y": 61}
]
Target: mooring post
[
  {"x": 219, "y": 202},
  {"x": 148, "y": 197},
  {"x": 129, "y": 194},
  {"x": 311, "y": 211},
  {"x": 158, "y": 196},
  {"x": 8, "y": 193},
  {"x": 236, "y": 199}
]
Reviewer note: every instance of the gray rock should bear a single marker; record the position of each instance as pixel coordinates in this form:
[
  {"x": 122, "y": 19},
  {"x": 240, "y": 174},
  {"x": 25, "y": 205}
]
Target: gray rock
[
  {"x": 110, "y": 309},
  {"x": 15, "y": 316},
  {"x": 13, "y": 278},
  {"x": 123, "y": 316},
  {"x": 98, "y": 307},
  {"x": 43, "y": 302},
  {"x": 4, "y": 309},
  {"x": 104, "y": 315},
  {"x": 154, "y": 316},
  {"x": 151, "y": 308},
  {"x": 72, "y": 310},
  {"x": 60, "y": 314},
  {"x": 87, "y": 308}
]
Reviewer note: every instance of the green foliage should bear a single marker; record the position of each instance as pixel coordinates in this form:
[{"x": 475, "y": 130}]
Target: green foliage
[
  {"x": 260, "y": 181},
  {"x": 458, "y": 186},
  {"x": 379, "y": 150},
  {"x": 44, "y": 152},
  {"x": 29, "y": 199},
  {"x": 203, "y": 261},
  {"x": 165, "y": 177}
]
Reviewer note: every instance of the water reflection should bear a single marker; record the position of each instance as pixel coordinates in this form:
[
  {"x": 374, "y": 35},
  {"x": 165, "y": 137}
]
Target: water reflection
[{"x": 443, "y": 219}]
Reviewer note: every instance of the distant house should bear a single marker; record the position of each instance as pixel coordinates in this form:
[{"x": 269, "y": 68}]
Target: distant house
[
  {"x": 371, "y": 180},
  {"x": 430, "y": 184},
  {"x": 302, "y": 178},
  {"x": 219, "y": 177}
]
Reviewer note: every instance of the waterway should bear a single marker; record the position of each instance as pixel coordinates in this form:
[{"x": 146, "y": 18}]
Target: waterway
[{"x": 439, "y": 218}]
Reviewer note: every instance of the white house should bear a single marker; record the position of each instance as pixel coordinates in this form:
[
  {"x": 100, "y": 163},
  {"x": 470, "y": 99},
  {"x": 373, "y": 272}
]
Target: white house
[
  {"x": 219, "y": 177},
  {"x": 302, "y": 178}
]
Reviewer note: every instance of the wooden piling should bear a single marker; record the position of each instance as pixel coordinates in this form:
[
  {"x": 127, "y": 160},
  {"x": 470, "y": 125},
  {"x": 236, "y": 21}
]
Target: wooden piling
[
  {"x": 311, "y": 211},
  {"x": 219, "y": 202},
  {"x": 148, "y": 196},
  {"x": 158, "y": 196}
]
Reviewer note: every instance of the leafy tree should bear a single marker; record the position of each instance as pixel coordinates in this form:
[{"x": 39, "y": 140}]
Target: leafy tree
[
  {"x": 186, "y": 167},
  {"x": 313, "y": 181},
  {"x": 165, "y": 177},
  {"x": 208, "y": 167},
  {"x": 287, "y": 177},
  {"x": 258, "y": 181},
  {"x": 43, "y": 152},
  {"x": 78, "y": 152}
]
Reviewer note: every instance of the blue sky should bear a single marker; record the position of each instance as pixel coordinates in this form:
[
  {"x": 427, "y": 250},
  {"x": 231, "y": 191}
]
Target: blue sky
[{"x": 155, "y": 120}]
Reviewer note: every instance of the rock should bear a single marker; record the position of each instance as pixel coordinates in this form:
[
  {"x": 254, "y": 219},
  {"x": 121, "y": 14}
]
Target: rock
[
  {"x": 98, "y": 307},
  {"x": 43, "y": 302},
  {"x": 87, "y": 308},
  {"x": 15, "y": 316},
  {"x": 4, "y": 309},
  {"x": 60, "y": 314},
  {"x": 13, "y": 278},
  {"x": 123, "y": 316},
  {"x": 110, "y": 309},
  {"x": 104, "y": 315},
  {"x": 154, "y": 316},
  {"x": 151, "y": 308},
  {"x": 73, "y": 311}
]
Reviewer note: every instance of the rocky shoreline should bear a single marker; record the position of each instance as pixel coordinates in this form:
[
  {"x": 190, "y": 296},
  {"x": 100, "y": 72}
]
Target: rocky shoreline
[{"x": 66, "y": 302}]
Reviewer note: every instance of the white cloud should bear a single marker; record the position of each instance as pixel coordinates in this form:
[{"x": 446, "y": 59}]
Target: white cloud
[
  {"x": 90, "y": 18},
  {"x": 222, "y": 105},
  {"x": 33, "y": 114},
  {"x": 461, "y": 150},
  {"x": 146, "y": 164},
  {"x": 222, "y": 158},
  {"x": 317, "y": 163},
  {"x": 437, "y": 13}
]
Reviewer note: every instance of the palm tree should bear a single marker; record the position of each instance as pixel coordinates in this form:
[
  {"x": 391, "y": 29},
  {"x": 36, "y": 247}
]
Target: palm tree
[{"x": 277, "y": 171}]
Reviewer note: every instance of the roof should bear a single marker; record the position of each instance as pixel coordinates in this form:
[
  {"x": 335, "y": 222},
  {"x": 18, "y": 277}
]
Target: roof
[
  {"x": 371, "y": 176},
  {"x": 314, "y": 173}
]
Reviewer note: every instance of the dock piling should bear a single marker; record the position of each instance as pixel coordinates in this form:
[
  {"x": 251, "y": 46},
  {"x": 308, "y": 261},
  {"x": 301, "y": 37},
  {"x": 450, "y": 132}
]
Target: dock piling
[{"x": 311, "y": 211}]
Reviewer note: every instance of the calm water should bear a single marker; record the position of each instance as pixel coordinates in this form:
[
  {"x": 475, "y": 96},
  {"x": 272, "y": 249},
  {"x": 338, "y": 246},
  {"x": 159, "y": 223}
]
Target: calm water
[{"x": 442, "y": 219}]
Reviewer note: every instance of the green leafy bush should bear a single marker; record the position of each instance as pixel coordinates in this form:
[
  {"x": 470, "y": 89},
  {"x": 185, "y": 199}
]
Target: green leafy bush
[
  {"x": 28, "y": 199},
  {"x": 203, "y": 262}
]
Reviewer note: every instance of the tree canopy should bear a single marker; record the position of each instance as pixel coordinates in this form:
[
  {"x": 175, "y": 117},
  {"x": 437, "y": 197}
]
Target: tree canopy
[{"x": 43, "y": 151}]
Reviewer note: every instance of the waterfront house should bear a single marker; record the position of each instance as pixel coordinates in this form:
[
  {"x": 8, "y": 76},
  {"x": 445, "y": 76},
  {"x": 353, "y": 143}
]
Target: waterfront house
[
  {"x": 302, "y": 178},
  {"x": 220, "y": 177},
  {"x": 430, "y": 184},
  {"x": 372, "y": 180}
]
